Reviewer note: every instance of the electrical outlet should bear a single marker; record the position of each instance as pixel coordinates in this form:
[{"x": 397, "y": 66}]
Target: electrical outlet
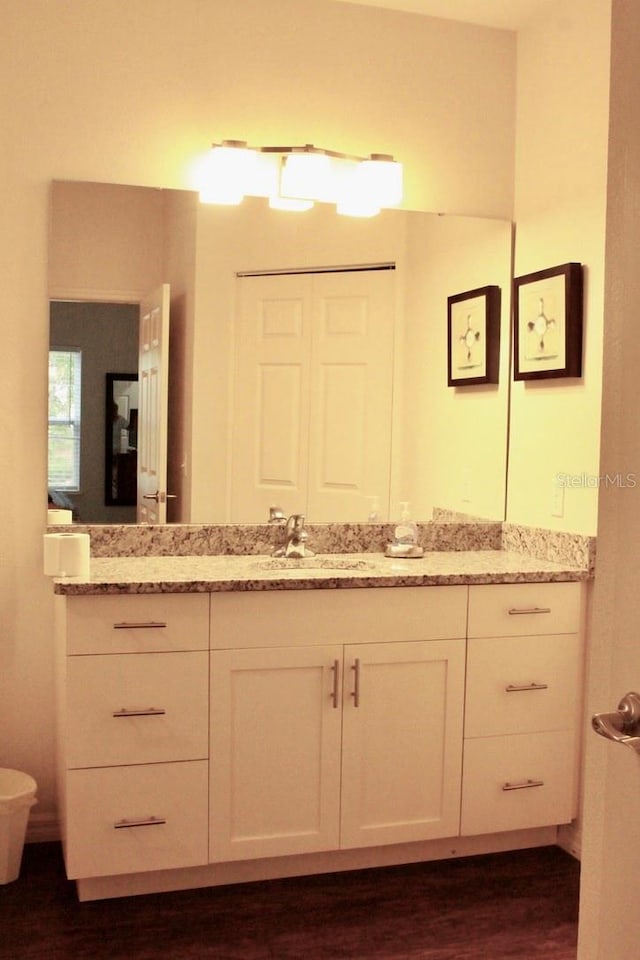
[{"x": 557, "y": 498}]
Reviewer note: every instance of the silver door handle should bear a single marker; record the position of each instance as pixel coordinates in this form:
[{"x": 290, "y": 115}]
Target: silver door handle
[
  {"x": 623, "y": 726},
  {"x": 159, "y": 497},
  {"x": 355, "y": 693}
]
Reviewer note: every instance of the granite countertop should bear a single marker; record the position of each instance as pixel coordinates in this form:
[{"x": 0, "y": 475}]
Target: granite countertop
[{"x": 204, "y": 574}]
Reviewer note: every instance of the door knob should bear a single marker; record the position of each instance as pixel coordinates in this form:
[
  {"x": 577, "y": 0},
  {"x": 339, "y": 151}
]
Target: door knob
[{"x": 623, "y": 726}]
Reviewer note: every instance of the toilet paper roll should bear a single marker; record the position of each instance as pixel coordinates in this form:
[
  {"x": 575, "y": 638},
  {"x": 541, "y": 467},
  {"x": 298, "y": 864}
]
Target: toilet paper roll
[
  {"x": 55, "y": 517},
  {"x": 66, "y": 555}
]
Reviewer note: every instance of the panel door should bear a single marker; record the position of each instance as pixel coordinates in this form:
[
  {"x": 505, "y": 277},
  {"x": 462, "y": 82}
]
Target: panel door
[
  {"x": 402, "y": 741},
  {"x": 271, "y": 397},
  {"x": 153, "y": 385},
  {"x": 312, "y": 395},
  {"x": 275, "y": 751},
  {"x": 351, "y": 392}
]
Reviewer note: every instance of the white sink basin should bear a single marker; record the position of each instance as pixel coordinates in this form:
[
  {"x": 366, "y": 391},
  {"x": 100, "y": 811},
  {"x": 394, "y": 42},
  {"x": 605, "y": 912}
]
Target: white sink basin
[{"x": 313, "y": 563}]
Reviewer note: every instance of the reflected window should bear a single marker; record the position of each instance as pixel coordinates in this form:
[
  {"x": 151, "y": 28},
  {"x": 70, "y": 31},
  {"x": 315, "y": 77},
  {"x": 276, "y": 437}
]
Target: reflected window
[{"x": 65, "y": 377}]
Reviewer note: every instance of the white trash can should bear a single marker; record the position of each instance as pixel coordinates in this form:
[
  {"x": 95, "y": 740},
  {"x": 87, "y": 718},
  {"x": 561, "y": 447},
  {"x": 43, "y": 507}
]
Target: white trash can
[{"x": 17, "y": 796}]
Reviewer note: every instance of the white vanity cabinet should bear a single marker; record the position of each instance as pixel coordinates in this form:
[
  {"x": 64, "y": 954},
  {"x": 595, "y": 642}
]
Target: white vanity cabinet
[
  {"x": 133, "y": 732},
  {"x": 524, "y": 683},
  {"x": 213, "y": 738},
  {"x": 336, "y": 719}
]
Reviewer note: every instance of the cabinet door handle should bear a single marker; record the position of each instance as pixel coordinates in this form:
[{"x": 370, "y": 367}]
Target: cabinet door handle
[
  {"x": 355, "y": 693},
  {"x": 523, "y": 785},
  {"x": 518, "y": 611},
  {"x": 520, "y": 687},
  {"x": 149, "y": 712},
  {"x": 335, "y": 669},
  {"x": 147, "y": 822},
  {"x": 139, "y": 625}
]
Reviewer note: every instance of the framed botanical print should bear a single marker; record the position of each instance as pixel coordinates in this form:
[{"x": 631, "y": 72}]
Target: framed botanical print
[
  {"x": 473, "y": 336},
  {"x": 547, "y": 323}
]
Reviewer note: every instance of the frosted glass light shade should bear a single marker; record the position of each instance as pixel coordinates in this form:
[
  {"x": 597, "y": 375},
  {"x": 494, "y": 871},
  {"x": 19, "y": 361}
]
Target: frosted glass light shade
[
  {"x": 353, "y": 198},
  {"x": 227, "y": 171},
  {"x": 381, "y": 178},
  {"x": 306, "y": 176},
  {"x": 357, "y": 206},
  {"x": 277, "y": 202}
]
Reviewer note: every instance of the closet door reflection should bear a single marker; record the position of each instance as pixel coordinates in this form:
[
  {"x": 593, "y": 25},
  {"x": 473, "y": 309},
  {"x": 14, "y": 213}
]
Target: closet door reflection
[{"x": 121, "y": 439}]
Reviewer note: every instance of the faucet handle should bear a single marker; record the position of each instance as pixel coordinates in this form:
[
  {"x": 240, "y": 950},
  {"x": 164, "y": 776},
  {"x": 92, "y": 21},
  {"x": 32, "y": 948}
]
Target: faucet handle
[
  {"x": 295, "y": 523},
  {"x": 276, "y": 515}
]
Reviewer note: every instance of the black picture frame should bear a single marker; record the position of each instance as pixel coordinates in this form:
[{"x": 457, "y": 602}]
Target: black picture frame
[
  {"x": 120, "y": 440},
  {"x": 473, "y": 337},
  {"x": 547, "y": 323}
]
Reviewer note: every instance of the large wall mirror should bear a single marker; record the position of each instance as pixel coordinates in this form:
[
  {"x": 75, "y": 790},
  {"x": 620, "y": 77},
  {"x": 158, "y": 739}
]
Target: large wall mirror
[{"x": 445, "y": 446}]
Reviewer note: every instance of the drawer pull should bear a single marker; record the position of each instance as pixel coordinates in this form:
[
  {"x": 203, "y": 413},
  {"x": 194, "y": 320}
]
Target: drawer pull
[
  {"x": 141, "y": 625},
  {"x": 519, "y": 611},
  {"x": 149, "y": 712},
  {"x": 520, "y": 687},
  {"x": 523, "y": 785},
  {"x": 148, "y": 822}
]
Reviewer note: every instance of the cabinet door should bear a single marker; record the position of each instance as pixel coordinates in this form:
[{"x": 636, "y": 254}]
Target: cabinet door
[
  {"x": 402, "y": 742},
  {"x": 275, "y": 749}
]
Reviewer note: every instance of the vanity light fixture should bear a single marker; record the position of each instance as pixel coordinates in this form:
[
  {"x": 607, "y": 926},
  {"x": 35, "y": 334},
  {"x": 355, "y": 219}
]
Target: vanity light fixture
[
  {"x": 226, "y": 172},
  {"x": 294, "y": 178}
]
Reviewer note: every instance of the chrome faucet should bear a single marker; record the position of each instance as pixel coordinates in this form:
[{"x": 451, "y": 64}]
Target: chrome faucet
[{"x": 296, "y": 539}]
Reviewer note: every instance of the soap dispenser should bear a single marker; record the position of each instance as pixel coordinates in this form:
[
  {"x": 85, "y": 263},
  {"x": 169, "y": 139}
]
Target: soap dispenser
[
  {"x": 407, "y": 530},
  {"x": 405, "y": 538}
]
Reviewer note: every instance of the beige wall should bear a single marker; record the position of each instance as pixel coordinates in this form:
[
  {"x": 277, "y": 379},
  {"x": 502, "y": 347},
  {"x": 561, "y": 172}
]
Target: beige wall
[
  {"x": 560, "y": 201},
  {"x": 105, "y": 242},
  {"x": 455, "y": 439}
]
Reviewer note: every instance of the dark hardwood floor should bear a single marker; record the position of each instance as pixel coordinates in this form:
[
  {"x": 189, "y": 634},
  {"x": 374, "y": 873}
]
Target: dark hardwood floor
[{"x": 504, "y": 906}]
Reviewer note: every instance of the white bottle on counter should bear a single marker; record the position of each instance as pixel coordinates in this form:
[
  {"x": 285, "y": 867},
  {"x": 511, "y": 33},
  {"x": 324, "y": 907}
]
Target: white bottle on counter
[{"x": 407, "y": 530}]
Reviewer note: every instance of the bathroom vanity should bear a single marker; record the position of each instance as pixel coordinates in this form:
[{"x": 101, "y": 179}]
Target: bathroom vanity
[{"x": 222, "y": 719}]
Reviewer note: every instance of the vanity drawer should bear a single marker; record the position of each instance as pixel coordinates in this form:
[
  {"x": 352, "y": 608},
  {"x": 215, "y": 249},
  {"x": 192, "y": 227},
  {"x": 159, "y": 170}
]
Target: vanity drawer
[
  {"x": 137, "y": 624},
  {"x": 110, "y": 825},
  {"x": 522, "y": 684},
  {"x": 516, "y": 782},
  {"x": 521, "y": 609},
  {"x": 311, "y": 617},
  {"x": 137, "y": 708}
]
